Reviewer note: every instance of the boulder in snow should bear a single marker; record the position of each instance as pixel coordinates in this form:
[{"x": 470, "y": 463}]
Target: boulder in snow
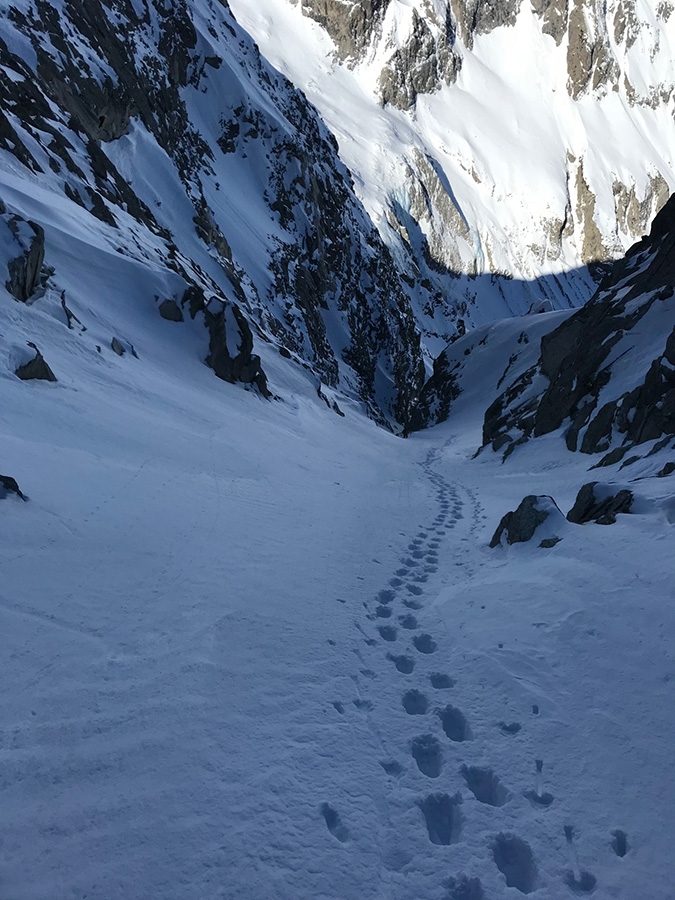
[
  {"x": 8, "y": 485},
  {"x": 521, "y": 525},
  {"x": 171, "y": 311},
  {"x": 600, "y": 503},
  {"x": 35, "y": 368}
]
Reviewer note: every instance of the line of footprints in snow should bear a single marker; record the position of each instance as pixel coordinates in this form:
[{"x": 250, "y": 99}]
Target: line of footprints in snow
[{"x": 441, "y": 811}]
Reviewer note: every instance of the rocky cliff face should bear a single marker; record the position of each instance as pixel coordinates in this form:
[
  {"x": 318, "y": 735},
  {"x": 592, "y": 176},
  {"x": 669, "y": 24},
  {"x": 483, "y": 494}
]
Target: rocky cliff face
[
  {"x": 607, "y": 373},
  {"x": 596, "y": 35},
  {"x": 161, "y": 124},
  {"x": 351, "y": 24},
  {"x": 426, "y": 60}
]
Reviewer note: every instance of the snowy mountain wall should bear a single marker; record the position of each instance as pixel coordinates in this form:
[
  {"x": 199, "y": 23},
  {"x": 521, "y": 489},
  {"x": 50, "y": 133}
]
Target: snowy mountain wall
[
  {"x": 166, "y": 170},
  {"x": 606, "y": 374},
  {"x": 523, "y": 139}
]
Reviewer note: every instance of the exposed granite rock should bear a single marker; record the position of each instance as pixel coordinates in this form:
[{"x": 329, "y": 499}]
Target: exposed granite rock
[
  {"x": 102, "y": 111},
  {"x": 322, "y": 268},
  {"x": 429, "y": 57},
  {"x": 422, "y": 65},
  {"x": 100, "y": 81},
  {"x": 36, "y": 368},
  {"x": 178, "y": 40},
  {"x": 579, "y": 51},
  {"x": 34, "y": 95},
  {"x": 194, "y": 299},
  {"x": 432, "y": 201},
  {"x": 117, "y": 347},
  {"x": 593, "y": 248},
  {"x": 483, "y": 16},
  {"x": 350, "y": 23},
  {"x": 590, "y": 60},
  {"x": 600, "y": 503},
  {"x": 209, "y": 232},
  {"x": 573, "y": 356},
  {"x": 643, "y": 414},
  {"x": 509, "y": 410},
  {"x": 554, "y": 15},
  {"x": 70, "y": 315},
  {"x": 634, "y": 215},
  {"x": 626, "y": 23}
]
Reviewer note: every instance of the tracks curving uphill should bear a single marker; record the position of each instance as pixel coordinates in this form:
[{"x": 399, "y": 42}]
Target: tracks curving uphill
[
  {"x": 438, "y": 751},
  {"x": 443, "y": 758},
  {"x": 407, "y": 644}
]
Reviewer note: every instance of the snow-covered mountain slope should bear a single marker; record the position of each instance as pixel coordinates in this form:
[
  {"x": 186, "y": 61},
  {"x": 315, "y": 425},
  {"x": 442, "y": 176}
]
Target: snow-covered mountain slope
[
  {"x": 605, "y": 374},
  {"x": 522, "y": 138},
  {"x": 160, "y": 158},
  {"x": 478, "y": 365},
  {"x": 255, "y": 649},
  {"x": 254, "y": 645}
]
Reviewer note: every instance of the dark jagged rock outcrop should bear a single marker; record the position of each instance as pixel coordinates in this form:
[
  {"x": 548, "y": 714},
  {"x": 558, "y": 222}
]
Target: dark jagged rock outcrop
[
  {"x": 429, "y": 56},
  {"x": 590, "y": 60},
  {"x": 24, "y": 246},
  {"x": 600, "y": 503},
  {"x": 8, "y": 485},
  {"x": 321, "y": 270},
  {"x": 632, "y": 316},
  {"x": 435, "y": 400},
  {"x": 231, "y": 347},
  {"x": 36, "y": 368},
  {"x": 194, "y": 299}
]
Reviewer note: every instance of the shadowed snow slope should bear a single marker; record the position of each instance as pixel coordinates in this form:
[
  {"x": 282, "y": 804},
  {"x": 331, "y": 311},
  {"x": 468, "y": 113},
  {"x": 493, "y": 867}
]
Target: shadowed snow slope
[
  {"x": 250, "y": 646},
  {"x": 259, "y": 647}
]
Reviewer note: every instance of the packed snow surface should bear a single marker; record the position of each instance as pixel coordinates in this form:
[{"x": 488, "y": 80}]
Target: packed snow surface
[{"x": 255, "y": 650}]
